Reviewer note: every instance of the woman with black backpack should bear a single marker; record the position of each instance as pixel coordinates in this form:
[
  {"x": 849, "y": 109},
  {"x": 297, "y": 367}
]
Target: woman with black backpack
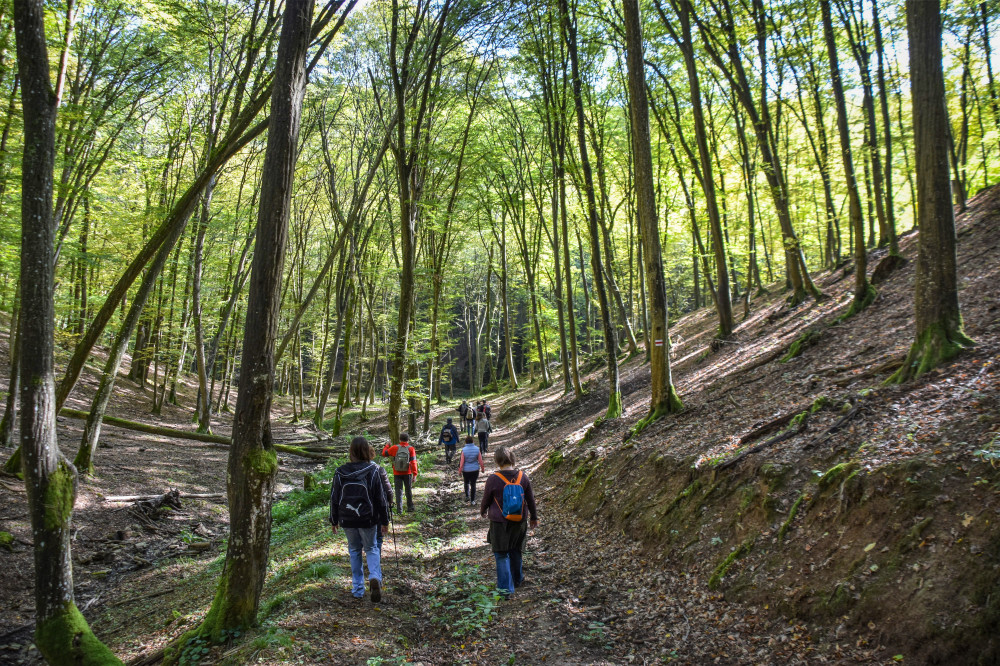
[
  {"x": 506, "y": 495},
  {"x": 359, "y": 504}
]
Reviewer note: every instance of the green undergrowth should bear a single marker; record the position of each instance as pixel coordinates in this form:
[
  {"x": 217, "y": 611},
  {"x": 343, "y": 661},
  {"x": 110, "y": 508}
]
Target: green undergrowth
[{"x": 464, "y": 601}]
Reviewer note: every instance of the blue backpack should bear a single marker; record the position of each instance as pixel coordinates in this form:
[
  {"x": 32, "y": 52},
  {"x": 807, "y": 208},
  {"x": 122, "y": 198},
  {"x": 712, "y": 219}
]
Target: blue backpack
[{"x": 513, "y": 498}]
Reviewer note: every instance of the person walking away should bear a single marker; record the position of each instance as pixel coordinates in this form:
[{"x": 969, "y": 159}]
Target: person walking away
[
  {"x": 470, "y": 463},
  {"x": 387, "y": 489},
  {"x": 359, "y": 504},
  {"x": 404, "y": 470},
  {"x": 463, "y": 413},
  {"x": 449, "y": 437},
  {"x": 483, "y": 430},
  {"x": 506, "y": 495},
  {"x": 487, "y": 410}
]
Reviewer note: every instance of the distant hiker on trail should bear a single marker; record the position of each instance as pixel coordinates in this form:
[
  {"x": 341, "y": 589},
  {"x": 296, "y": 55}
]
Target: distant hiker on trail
[
  {"x": 404, "y": 470},
  {"x": 506, "y": 495},
  {"x": 470, "y": 464},
  {"x": 359, "y": 504},
  {"x": 483, "y": 429},
  {"x": 449, "y": 437},
  {"x": 480, "y": 409},
  {"x": 487, "y": 410},
  {"x": 463, "y": 412}
]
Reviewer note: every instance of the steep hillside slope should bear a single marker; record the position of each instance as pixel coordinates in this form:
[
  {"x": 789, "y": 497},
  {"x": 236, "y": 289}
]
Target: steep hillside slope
[{"x": 801, "y": 483}]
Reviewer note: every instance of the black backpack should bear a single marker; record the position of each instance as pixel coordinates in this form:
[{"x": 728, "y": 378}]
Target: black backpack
[
  {"x": 446, "y": 435},
  {"x": 355, "y": 501}
]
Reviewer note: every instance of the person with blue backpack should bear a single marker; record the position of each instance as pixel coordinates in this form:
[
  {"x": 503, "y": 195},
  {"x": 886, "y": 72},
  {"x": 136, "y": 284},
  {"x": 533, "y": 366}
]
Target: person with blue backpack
[
  {"x": 507, "y": 495},
  {"x": 449, "y": 437},
  {"x": 359, "y": 503}
]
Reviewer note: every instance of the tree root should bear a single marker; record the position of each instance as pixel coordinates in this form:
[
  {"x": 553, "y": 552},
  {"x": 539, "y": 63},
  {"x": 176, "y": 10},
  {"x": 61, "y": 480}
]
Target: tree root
[{"x": 935, "y": 345}]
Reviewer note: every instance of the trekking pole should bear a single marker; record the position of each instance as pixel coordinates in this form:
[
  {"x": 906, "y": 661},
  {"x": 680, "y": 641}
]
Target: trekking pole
[{"x": 395, "y": 548}]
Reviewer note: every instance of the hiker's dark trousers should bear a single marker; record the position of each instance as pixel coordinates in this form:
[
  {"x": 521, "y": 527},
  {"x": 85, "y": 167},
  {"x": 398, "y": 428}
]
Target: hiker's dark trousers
[
  {"x": 403, "y": 481},
  {"x": 484, "y": 443},
  {"x": 470, "y": 479}
]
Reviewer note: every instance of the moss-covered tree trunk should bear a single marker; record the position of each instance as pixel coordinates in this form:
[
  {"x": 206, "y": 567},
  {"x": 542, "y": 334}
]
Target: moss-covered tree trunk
[
  {"x": 252, "y": 460},
  {"x": 61, "y": 632},
  {"x": 664, "y": 398},
  {"x": 939, "y": 332},
  {"x": 610, "y": 333}
]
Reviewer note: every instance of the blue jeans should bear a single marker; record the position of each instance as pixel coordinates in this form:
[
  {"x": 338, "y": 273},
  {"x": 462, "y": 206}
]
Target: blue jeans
[
  {"x": 509, "y": 571},
  {"x": 365, "y": 538}
]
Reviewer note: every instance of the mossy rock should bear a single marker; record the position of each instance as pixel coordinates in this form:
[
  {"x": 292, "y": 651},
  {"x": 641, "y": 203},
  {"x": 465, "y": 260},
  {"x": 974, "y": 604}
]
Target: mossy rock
[{"x": 7, "y": 541}]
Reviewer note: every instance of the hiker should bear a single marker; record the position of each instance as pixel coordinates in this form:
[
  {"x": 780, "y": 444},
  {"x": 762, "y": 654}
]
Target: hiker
[
  {"x": 483, "y": 430},
  {"x": 506, "y": 495},
  {"x": 470, "y": 464},
  {"x": 449, "y": 437},
  {"x": 480, "y": 409},
  {"x": 404, "y": 470},
  {"x": 487, "y": 410},
  {"x": 359, "y": 504},
  {"x": 387, "y": 488},
  {"x": 463, "y": 412}
]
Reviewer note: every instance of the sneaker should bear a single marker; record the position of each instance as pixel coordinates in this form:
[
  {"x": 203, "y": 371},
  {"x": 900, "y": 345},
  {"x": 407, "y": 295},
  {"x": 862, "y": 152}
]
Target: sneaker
[{"x": 376, "y": 589}]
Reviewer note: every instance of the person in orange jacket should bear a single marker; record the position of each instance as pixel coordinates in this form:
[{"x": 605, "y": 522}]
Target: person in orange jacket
[{"x": 404, "y": 470}]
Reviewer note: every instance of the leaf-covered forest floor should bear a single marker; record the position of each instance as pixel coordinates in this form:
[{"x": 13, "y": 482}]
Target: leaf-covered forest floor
[{"x": 869, "y": 542}]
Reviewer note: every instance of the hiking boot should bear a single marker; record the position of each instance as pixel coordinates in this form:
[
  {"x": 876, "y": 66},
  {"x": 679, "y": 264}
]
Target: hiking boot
[{"x": 376, "y": 589}]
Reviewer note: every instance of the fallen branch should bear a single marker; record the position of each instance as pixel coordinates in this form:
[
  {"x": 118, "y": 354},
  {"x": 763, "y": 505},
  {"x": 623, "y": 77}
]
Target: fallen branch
[
  {"x": 788, "y": 434},
  {"x": 153, "y": 498},
  {"x": 146, "y": 428},
  {"x": 834, "y": 428},
  {"x": 765, "y": 428},
  {"x": 141, "y": 597},
  {"x": 290, "y": 447}
]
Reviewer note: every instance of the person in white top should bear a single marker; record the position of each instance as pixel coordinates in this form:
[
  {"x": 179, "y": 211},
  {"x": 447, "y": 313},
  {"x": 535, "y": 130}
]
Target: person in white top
[
  {"x": 470, "y": 463},
  {"x": 483, "y": 429}
]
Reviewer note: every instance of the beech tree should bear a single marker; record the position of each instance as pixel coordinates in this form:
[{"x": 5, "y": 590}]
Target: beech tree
[
  {"x": 252, "y": 459},
  {"x": 938, "y": 317},
  {"x": 664, "y": 398},
  {"x": 61, "y": 632}
]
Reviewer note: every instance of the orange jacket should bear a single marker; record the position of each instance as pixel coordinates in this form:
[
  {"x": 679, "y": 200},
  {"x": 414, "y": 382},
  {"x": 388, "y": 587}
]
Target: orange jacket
[{"x": 389, "y": 451}]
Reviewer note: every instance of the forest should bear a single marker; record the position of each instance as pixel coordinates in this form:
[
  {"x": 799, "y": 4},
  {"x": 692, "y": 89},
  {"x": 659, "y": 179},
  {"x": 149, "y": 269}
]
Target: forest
[{"x": 727, "y": 271}]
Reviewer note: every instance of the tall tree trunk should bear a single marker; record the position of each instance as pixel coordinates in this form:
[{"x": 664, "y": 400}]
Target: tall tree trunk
[
  {"x": 610, "y": 334},
  {"x": 10, "y": 408},
  {"x": 723, "y": 298},
  {"x": 84, "y": 460},
  {"x": 61, "y": 632},
  {"x": 864, "y": 293},
  {"x": 508, "y": 331},
  {"x": 883, "y": 94},
  {"x": 664, "y": 397},
  {"x": 203, "y": 409},
  {"x": 939, "y": 331},
  {"x": 252, "y": 460},
  {"x": 573, "y": 347}
]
